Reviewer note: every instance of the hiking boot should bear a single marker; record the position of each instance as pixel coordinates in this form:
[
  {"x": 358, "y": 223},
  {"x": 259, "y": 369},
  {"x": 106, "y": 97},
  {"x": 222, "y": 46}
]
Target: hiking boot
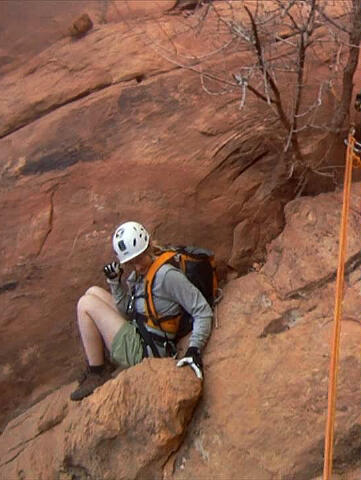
[
  {"x": 88, "y": 383},
  {"x": 116, "y": 372}
]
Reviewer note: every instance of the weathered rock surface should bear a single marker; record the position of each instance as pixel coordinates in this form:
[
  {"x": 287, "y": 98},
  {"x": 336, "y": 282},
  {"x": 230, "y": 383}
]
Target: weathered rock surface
[
  {"x": 67, "y": 71},
  {"x": 263, "y": 410},
  {"x": 104, "y": 129},
  {"x": 127, "y": 429},
  {"x": 27, "y": 28},
  {"x": 100, "y": 134}
]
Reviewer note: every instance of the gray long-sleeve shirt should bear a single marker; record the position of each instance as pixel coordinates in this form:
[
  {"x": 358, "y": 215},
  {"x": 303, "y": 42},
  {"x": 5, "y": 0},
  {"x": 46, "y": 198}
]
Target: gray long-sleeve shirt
[{"x": 171, "y": 292}]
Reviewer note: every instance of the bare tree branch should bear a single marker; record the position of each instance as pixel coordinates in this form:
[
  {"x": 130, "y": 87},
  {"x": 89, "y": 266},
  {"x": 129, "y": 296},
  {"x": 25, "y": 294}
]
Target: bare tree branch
[
  {"x": 292, "y": 139},
  {"x": 331, "y": 20},
  {"x": 350, "y": 68},
  {"x": 275, "y": 42}
]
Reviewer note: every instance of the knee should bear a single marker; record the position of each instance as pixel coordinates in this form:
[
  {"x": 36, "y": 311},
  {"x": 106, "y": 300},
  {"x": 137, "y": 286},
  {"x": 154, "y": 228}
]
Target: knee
[
  {"x": 86, "y": 302},
  {"x": 94, "y": 290}
]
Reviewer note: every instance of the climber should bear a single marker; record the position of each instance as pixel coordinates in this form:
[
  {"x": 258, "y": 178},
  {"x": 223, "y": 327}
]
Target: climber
[{"x": 117, "y": 321}]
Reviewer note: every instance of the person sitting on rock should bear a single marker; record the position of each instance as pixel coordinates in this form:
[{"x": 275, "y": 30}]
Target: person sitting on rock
[{"x": 117, "y": 320}]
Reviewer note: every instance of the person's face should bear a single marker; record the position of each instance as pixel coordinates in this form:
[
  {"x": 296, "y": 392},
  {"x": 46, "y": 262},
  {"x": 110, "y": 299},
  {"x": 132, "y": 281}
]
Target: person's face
[{"x": 141, "y": 263}]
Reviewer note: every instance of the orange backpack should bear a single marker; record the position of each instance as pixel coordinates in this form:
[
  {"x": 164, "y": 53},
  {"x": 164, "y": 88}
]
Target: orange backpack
[{"x": 199, "y": 267}]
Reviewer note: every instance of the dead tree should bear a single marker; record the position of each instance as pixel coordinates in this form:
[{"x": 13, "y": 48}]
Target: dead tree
[{"x": 276, "y": 40}]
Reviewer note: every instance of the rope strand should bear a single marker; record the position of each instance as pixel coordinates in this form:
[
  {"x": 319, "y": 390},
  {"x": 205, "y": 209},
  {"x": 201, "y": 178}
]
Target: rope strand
[{"x": 335, "y": 348}]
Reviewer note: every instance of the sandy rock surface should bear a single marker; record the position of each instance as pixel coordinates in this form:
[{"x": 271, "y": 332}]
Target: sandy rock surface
[
  {"x": 102, "y": 130},
  {"x": 126, "y": 429},
  {"x": 263, "y": 410}
]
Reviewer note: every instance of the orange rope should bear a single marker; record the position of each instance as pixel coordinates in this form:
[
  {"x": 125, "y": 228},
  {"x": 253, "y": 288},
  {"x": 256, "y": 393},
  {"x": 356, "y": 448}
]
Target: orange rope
[{"x": 329, "y": 437}]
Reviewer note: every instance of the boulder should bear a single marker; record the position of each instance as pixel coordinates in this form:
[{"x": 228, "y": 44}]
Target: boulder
[
  {"x": 81, "y": 26},
  {"x": 126, "y": 430}
]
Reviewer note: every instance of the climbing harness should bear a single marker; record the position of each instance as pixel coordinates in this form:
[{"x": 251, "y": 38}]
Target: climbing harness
[{"x": 352, "y": 158}]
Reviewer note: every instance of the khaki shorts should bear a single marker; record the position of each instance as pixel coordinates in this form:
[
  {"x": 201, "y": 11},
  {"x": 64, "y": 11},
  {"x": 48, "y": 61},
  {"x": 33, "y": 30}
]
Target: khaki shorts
[{"x": 127, "y": 348}]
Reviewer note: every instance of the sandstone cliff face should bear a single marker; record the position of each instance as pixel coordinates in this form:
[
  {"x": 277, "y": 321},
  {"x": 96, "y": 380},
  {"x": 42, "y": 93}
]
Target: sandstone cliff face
[
  {"x": 103, "y": 129},
  {"x": 263, "y": 409},
  {"x": 264, "y": 405},
  {"x": 98, "y": 131}
]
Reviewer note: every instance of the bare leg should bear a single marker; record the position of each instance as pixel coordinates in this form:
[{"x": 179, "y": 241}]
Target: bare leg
[
  {"x": 97, "y": 321},
  {"x": 103, "y": 295}
]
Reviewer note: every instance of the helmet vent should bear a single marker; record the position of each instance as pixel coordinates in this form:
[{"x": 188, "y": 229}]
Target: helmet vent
[
  {"x": 134, "y": 242},
  {"x": 122, "y": 246}
]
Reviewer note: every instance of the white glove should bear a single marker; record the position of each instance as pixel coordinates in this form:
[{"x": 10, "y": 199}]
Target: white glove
[{"x": 192, "y": 358}]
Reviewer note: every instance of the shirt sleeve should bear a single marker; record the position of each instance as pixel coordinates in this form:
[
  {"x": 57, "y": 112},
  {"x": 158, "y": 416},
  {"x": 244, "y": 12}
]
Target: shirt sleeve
[
  {"x": 120, "y": 295},
  {"x": 178, "y": 288}
]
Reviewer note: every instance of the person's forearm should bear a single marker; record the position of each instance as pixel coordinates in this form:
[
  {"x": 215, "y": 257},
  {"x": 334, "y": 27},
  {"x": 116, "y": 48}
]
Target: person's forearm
[
  {"x": 200, "y": 333},
  {"x": 120, "y": 295}
]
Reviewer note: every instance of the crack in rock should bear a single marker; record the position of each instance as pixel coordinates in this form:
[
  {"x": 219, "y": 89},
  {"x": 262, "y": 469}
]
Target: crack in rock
[
  {"x": 52, "y": 108},
  {"x": 288, "y": 320},
  {"x": 22, "y": 447},
  {"x": 347, "y": 456},
  {"x": 50, "y": 222},
  {"x": 6, "y": 287},
  {"x": 138, "y": 77},
  {"x": 350, "y": 266}
]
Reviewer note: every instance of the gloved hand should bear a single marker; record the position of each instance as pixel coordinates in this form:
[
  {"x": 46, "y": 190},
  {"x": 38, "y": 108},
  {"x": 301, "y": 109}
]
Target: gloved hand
[
  {"x": 112, "y": 270},
  {"x": 192, "y": 358}
]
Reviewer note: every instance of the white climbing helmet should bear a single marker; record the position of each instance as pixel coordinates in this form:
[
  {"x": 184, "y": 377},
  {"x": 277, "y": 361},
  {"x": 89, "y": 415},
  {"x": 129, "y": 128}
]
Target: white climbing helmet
[{"x": 130, "y": 239}]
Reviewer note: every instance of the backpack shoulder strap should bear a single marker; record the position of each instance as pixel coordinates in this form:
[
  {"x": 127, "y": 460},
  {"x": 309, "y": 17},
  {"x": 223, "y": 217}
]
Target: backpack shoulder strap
[{"x": 149, "y": 279}]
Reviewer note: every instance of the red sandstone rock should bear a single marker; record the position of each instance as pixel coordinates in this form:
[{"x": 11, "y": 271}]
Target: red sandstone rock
[
  {"x": 126, "y": 429},
  {"x": 136, "y": 137},
  {"x": 30, "y": 27},
  {"x": 311, "y": 229},
  {"x": 264, "y": 403},
  {"x": 266, "y": 367},
  {"x": 138, "y": 149},
  {"x": 81, "y": 26}
]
